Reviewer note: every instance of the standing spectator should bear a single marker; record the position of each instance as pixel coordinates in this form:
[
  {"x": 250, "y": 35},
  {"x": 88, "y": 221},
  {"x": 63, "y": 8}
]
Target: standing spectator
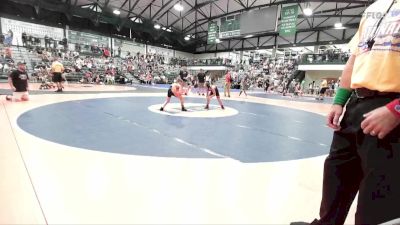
[
  {"x": 106, "y": 53},
  {"x": 46, "y": 42},
  {"x": 228, "y": 83},
  {"x": 312, "y": 87},
  {"x": 9, "y": 38},
  {"x": 77, "y": 48},
  {"x": 24, "y": 39},
  {"x": 302, "y": 87},
  {"x": 183, "y": 74},
  {"x": 65, "y": 43},
  {"x": 244, "y": 84},
  {"x": 18, "y": 81},
  {"x": 267, "y": 84},
  {"x": 324, "y": 87},
  {"x": 149, "y": 77}
]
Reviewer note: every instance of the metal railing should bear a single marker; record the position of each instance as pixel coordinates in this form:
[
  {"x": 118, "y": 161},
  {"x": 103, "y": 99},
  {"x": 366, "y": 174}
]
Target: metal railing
[{"x": 322, "y": 59}]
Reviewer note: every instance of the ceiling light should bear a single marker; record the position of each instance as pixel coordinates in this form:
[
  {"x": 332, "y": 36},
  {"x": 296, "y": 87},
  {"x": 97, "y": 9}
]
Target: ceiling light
[
  {"x": 187, "y": 38},
  {"x": 169, "y": 30},
  {"x": 249, "y": 36},
  {"x": 163, "y": 28},
  {"x": 338, "y": 25},
  {"x": 308, "y": 12},
  {"x": 92, "y": 7},
  {"x": 178, "y": 7},
  {"x": 217, "y": 40},
  {"x": 116, "y": 12},
  {"x": 136, "y": 19},
  {"x": 157, "y": 26}
]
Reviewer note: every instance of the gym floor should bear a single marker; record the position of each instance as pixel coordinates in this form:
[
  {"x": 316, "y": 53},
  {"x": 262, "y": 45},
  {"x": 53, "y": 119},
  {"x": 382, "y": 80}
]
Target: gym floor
[{"x": 107, "y": 155}]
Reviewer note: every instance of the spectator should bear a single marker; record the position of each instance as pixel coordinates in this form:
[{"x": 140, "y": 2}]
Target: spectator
[
  {"x": 228, "y": 83},
  {"x": 18, "y": 81}
]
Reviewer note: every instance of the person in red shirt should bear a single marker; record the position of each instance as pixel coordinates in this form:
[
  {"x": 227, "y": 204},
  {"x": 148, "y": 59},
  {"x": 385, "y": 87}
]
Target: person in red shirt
[{"x": 106, "y": 53}]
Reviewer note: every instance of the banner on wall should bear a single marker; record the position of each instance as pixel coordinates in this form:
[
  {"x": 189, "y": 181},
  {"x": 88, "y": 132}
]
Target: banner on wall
[
  {"x": 77, "y": 37},
  {"x": 230, "y": 26},
  {"x": 34, "y": 30},
  {"x": 289, "y": 20},
  {"x": 212, "y": 33},
  {"x": 160, "y": 51},
  {"x": 129, "y": 46}
]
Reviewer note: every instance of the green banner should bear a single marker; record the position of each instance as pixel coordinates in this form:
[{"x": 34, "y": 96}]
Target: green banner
[
  {"x": 230, "y": 28},
  {"x": 289, "y": 20},
  {"x": 212, "y": 33}
]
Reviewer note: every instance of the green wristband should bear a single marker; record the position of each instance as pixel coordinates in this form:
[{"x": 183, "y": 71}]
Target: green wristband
[{"x": 342, "y": 96}]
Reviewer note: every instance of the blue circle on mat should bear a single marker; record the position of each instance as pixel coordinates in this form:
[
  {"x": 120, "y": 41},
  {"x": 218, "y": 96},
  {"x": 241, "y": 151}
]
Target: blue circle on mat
[{"x": 259, "y": 133}]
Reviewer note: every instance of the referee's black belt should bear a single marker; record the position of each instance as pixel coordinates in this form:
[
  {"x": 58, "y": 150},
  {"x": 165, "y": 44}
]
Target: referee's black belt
[{"x": 366, "y": 93}]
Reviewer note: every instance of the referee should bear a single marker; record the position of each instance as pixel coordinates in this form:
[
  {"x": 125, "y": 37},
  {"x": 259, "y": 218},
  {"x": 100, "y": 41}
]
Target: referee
[
  {"x": 57, "y": 69},
  {"x": 365, "y": 151}
]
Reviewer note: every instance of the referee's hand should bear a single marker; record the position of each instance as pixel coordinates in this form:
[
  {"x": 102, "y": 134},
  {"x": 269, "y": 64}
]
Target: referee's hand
[
  {"x": 379, "y": 122},
  {"x": 334, "y": 116}
]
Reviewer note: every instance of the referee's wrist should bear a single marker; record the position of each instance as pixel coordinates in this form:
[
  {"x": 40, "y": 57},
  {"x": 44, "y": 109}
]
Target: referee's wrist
[
  {"x": 394, "y": 107},
  {"x": 342, "y": 96}
]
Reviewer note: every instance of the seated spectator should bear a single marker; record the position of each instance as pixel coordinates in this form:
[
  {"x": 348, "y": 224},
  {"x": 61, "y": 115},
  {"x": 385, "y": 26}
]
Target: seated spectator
[
  {"x": 18, "y": 81},
  {"x": 8, "y": 53}
]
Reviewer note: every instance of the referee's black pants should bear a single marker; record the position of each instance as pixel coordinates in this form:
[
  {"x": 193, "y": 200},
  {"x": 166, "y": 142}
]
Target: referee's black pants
[{"x": 359, "y": 162}]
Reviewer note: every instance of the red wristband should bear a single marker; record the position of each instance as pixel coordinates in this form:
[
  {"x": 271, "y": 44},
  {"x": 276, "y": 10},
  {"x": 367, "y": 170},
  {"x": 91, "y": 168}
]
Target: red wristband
[{"x": 394, "y": 107}]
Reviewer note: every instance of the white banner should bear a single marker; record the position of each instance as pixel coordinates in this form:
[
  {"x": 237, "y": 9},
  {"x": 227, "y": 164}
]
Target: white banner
[
  {"x": 34, "y": 30},
  {"x": 160, "y": 51},
  {"x": 128, "y": 46}
]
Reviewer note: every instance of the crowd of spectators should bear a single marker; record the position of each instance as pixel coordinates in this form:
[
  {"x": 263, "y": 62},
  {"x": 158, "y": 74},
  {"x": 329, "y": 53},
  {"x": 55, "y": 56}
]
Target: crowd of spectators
[
  {"x": 107, "y": 68},
  {"x": 101, "y": 65}
]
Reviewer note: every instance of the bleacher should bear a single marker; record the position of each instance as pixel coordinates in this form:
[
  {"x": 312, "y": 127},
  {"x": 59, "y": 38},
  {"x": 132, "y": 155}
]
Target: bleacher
[
  {"x": 21, "y": 54},
  {"x": 33, "y": 59}
]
